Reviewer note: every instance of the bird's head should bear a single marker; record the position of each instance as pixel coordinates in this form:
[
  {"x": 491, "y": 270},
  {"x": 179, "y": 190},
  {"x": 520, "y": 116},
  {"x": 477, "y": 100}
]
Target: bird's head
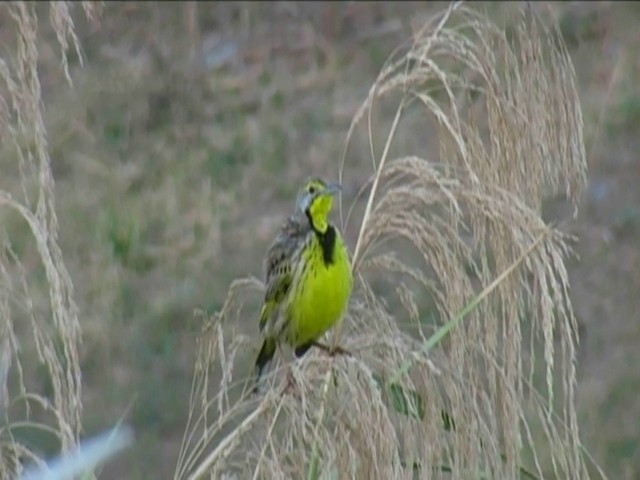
[{"x": 315, "y": 200}]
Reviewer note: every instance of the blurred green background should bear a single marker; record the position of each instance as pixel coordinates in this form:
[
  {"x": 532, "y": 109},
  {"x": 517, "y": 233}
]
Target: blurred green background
[{"x": 178, "y": 152}]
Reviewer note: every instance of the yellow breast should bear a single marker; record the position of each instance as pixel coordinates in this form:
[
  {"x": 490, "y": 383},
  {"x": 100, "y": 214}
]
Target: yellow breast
[{"x": 322, "y": 294}]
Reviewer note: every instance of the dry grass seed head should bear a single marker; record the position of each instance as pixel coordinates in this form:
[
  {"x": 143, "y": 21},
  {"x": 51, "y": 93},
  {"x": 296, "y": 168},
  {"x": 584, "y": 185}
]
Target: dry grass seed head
[
  {"x": 509, "y": 132},
  {"x": 57, "y": 338}
]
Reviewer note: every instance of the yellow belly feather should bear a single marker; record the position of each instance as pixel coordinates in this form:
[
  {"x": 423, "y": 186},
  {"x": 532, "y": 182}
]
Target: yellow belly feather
[{"x": 315, "y": 308}]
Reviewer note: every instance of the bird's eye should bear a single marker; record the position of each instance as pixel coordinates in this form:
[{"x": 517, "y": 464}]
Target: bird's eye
[{"x": 312, "y": 189}]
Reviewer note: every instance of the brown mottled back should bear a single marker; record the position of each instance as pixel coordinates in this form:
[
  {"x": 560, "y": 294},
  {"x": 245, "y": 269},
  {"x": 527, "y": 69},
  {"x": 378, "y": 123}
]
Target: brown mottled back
[{"x": 281, "y": 256}]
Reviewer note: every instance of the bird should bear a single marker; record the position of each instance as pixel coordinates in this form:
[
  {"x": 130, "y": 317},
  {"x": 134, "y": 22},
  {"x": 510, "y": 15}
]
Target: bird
[{"x": 307, "y": 276}]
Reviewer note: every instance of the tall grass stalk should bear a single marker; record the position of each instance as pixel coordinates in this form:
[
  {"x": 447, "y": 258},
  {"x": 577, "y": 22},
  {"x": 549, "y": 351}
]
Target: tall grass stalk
[{"x": 53, "y": 329}]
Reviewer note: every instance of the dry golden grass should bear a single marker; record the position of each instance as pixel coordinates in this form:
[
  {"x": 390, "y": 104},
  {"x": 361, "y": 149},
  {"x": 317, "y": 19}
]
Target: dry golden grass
[
  {"x": 56, "y": 331},
  {"x": 462, "y": 226}
]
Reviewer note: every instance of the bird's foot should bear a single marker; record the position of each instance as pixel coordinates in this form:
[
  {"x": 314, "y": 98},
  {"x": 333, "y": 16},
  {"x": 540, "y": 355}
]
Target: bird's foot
[
  {"x": 332, "y": 351},
  {"x": 291, "y": 384}
]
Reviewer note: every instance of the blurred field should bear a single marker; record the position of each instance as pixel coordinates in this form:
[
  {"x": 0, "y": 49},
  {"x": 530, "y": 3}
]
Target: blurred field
[{"x": 179, "y": 151}]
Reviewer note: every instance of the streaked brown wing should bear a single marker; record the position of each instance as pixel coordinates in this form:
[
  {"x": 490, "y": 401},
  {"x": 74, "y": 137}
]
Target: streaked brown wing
[{"x": 279, "y": 265}]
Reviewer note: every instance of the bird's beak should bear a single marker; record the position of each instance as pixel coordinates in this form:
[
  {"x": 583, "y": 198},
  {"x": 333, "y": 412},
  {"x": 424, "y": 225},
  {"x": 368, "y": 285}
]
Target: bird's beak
[{"x": 332, "y": 189}]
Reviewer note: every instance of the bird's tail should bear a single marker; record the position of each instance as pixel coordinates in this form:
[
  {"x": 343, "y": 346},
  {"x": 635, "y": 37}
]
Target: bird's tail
[{"x": 264, "y": 357}]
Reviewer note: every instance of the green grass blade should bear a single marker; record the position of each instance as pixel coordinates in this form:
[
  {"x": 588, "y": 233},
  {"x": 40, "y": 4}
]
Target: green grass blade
[
  {"x": 312, "y": 473},
  {"x": 444, "y": 330}
]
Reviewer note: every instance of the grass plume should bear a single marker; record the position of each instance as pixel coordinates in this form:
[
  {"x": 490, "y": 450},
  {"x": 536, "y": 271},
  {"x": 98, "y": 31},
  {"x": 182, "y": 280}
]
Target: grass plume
[
  {"x": 54, "y": 329},
  {"x": 457, "y": 234}
]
